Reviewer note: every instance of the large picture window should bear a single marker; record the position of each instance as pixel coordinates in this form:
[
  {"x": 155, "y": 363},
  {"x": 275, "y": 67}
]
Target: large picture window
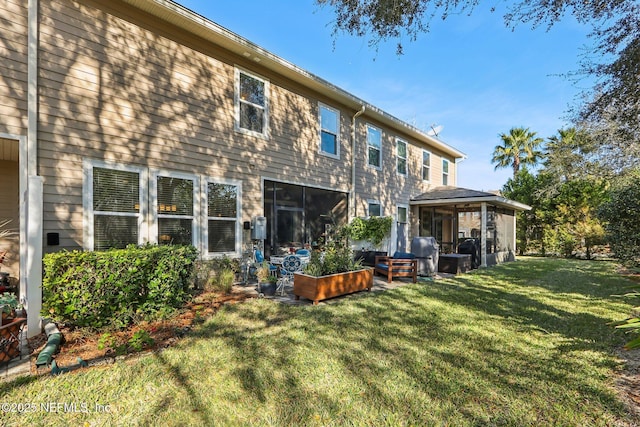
[
  {"x": 251, "y": 103},
  {"x": 374, "y": 145},
  {"x": 223, "y": 213},
  {"x": 329, "y": 131},
  {"x": 114, "y": 207}
]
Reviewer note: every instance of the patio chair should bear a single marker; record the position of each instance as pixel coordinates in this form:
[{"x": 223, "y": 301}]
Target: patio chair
[
  {"x": 258, "y": 258},
  {"x": 290, "y": 265},
  {"x": 401, "y": 264}
]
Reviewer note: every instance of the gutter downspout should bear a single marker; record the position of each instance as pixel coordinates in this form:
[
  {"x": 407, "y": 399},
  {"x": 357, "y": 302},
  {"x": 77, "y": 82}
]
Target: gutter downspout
[{"x": 352, "y": 191}]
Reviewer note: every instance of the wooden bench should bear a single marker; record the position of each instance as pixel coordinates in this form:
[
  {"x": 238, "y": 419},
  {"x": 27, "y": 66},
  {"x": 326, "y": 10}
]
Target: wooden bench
[{"x": 397, "y": 266}]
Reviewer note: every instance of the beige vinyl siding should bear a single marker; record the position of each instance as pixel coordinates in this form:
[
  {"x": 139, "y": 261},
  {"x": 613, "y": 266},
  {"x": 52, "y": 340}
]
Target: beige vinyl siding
[
  {"x": 13, "y": 67},
  {"x": 386, "y": 185},
  {"x": 112, "y": 90}
]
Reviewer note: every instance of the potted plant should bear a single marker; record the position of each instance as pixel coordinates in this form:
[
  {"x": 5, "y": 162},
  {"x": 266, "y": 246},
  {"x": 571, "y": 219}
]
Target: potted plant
[
  {"x": 332, "y": 273},
  {"x": 8, "y": 305},
  {"x": 266, "y": 281}
]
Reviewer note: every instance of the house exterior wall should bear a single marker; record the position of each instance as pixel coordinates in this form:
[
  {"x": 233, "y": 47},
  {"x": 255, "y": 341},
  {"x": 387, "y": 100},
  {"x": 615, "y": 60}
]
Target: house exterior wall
[
  {"x": 13, "y": 68},
  {"x": 385, "y": 184},
  {"x": 119, "y": 87}
]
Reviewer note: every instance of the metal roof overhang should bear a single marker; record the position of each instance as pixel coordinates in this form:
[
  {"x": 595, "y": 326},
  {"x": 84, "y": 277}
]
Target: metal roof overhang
[
  {"x": 208, "y": 30},
  {"x": 492, "y": 200}
]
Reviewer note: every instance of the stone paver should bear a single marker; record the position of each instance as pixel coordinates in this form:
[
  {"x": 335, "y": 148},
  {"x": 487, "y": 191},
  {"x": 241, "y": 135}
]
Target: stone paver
[{"x": 379, "y": 284}]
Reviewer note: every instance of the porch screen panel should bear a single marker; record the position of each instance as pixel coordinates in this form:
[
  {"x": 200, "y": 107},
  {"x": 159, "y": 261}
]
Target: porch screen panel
[
  {"x": 504, "y": 231},
  {"x": 116, "y": 208},
  {"x": 175, "y": 211},
  {"x": 222, "y": 211}
]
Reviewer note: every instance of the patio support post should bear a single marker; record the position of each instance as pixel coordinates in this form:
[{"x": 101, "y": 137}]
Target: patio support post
[
  {"x": 483, "y": 234},
  {"x": 33, "y": 191}
]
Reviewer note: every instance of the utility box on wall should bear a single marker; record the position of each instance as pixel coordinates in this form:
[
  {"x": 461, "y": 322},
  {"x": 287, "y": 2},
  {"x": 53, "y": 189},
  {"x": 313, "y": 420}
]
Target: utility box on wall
[{"x": 258, "y": 228}]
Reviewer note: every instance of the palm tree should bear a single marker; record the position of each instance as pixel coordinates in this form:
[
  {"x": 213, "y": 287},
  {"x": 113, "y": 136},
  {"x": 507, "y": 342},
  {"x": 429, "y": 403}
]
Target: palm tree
[
  {"x": 520, "y": 147},
  {"x": 568, "y": 153}
]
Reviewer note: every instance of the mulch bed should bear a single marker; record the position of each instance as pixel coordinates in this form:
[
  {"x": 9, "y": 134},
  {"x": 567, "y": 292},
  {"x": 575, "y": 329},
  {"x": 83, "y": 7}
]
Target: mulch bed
[{"x": 79, "y": 343}]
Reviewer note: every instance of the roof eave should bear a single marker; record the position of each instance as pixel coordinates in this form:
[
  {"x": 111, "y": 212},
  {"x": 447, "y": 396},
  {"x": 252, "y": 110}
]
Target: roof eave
[
  {"x": 495, "y": 200},
  {"x": 208, "y": 30}
]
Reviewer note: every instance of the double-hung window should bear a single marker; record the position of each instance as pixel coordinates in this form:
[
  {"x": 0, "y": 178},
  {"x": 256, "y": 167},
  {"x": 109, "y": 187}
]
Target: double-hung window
[
  {"x": 374, "y": 147},
  {"x": 113, "y": 206},
  {"x": 329, "y": 131},
  {"x": 401, "y": 157},
  {"x": 252, "y": 114},
  {"x": 174, "y": 208},
  {"x": 223, "y": 216},
  {"x": 445, "y": 172},
  {"x": 426, "y": 165}
]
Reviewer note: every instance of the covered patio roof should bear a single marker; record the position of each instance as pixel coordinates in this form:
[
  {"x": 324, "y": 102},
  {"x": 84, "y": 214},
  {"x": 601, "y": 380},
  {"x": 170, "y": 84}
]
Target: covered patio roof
[{"x": 447, "y": 196}]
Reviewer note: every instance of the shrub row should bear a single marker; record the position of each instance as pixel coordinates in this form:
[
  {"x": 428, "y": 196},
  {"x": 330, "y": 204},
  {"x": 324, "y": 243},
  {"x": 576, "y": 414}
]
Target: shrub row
[{"x": 116, "y": 287}]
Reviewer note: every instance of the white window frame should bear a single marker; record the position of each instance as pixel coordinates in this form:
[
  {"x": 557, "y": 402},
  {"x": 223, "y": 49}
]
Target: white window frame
[
  {"x": 153, "y": 205},
  {"x": 428, "y": 179},
  {"x": 205, "y": 218},
  {"x": 373, "y": 202},
  {"x": 265, "y": 130},
  {"x": 406, "y": 208},
  {"x": 445, "y": 175},
  {"x": 335, "y": 155},
  {"x": 379, "y": 167},
  {"x": 87, "y": 200},
  {"x": 405, "y": 158}
]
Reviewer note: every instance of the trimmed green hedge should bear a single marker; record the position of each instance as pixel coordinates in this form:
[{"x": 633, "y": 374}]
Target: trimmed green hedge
[{"x": 116, "y": 287}]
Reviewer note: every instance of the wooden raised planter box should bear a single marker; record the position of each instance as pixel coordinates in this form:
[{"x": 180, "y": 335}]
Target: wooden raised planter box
[{"x": 323, "y": 287}]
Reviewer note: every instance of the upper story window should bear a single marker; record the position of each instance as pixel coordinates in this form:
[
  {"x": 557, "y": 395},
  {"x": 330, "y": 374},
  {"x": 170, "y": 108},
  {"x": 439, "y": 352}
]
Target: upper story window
[
  {"x": 329, "y": 131},
  {"x": 426, "y": 165},
  {"x": 374, "y": 145},
  {"x": 252, "y": 113},
  {"x": 401, "y": 157},
  {"x": 445, "y": 172}
]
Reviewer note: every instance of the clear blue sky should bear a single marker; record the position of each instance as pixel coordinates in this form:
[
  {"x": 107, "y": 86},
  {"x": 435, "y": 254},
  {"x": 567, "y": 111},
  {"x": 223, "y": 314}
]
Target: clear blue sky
[{"x": 470, "y": 74}]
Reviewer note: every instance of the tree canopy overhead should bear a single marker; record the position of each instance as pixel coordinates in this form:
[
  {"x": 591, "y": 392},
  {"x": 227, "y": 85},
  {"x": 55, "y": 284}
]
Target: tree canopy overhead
[{"x": 614, "y": 60}]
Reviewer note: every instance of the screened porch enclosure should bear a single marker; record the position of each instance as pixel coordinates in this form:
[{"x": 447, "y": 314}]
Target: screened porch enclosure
[
  {"x": 453, "y": 225},
  {"x": 453, "y": 215},
  {"x": 299, "y": 216}
]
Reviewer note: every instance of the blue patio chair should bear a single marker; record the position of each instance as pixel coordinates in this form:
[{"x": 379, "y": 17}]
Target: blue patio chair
[
  {"x": 258, "y": 258},
  {"x": 290, "y": 265}
]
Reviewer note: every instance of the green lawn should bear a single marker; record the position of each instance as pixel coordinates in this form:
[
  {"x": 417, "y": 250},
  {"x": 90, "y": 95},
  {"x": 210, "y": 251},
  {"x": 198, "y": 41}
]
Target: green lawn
[{"x": 525, "y": 343}]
